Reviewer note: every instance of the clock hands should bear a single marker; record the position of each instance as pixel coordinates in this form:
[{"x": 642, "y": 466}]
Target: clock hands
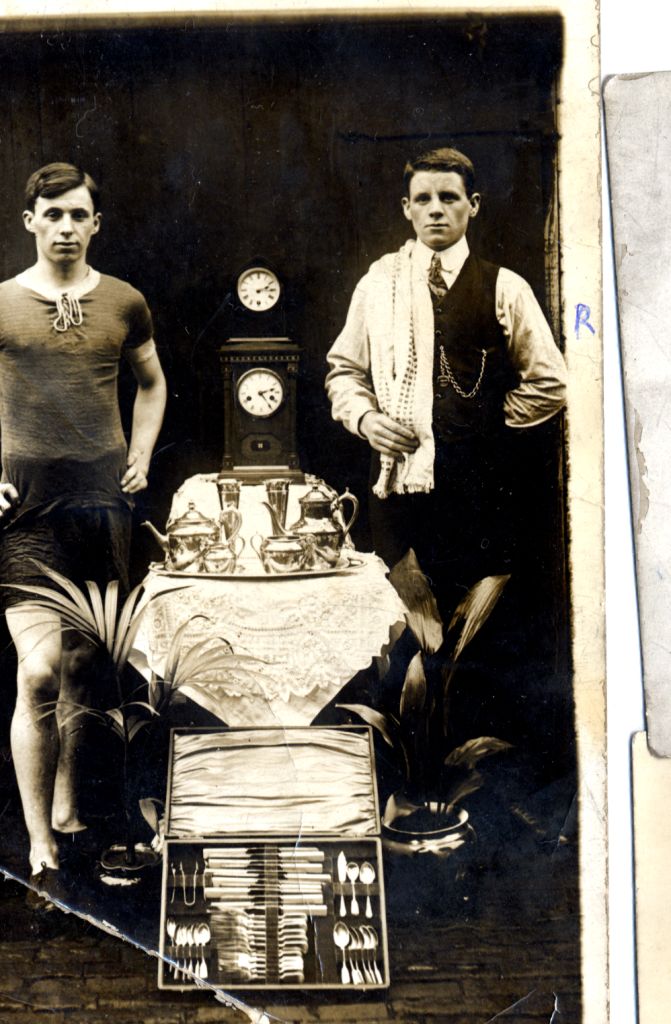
[{"x": 266, "y": 391}]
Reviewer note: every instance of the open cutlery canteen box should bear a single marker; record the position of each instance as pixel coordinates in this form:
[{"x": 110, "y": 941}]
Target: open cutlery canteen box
[{"x": 272, "y": 861}]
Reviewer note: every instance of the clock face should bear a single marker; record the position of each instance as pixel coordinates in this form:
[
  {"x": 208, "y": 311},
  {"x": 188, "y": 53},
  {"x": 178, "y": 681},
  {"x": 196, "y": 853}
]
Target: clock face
[
  {"x": 258, "y": 289},
  {"x": 260, "y": 392}
]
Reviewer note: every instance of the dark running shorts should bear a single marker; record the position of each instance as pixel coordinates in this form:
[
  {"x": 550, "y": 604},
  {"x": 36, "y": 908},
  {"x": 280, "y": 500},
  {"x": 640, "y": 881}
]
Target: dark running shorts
[{"x": 80, "y": 543}]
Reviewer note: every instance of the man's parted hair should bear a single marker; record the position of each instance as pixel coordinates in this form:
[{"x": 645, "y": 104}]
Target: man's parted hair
[
  {"x": 54, "y": 179},
  {"x": 444, "y": 160}
]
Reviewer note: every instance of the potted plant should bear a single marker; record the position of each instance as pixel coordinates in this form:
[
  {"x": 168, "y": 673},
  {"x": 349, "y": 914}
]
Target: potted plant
[
  {"x": 98, "y": 617},
  {"x": 424, "y": 814}
]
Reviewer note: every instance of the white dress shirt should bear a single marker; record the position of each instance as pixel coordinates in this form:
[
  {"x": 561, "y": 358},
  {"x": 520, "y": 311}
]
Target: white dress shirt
[{"x": 541, "y": 391}]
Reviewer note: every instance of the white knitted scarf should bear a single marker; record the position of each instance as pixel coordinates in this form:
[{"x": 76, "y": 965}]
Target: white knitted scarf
[{"x": 399, "y": 315}]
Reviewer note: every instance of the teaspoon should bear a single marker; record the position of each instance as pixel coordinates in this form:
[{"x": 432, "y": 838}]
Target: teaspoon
[{"x": 367, "y": 876}]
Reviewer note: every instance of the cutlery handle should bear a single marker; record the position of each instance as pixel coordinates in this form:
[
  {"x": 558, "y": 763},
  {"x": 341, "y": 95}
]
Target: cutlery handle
[
  {"x": 369, "y": 909},
  {"x": 355, "y": 903},
  {"x": 343, "y": 911},
  {"x": 344, "y": 973}
]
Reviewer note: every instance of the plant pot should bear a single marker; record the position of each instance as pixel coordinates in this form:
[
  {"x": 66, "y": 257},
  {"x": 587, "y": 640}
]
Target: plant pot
[{"x": 428, "y": 832}]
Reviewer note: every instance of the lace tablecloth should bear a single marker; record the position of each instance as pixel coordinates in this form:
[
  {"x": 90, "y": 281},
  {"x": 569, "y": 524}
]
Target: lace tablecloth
[{"x": 310, "y": 634}]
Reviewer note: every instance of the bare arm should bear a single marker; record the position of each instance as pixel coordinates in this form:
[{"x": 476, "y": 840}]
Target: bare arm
[{"x": 148, "y": 410}]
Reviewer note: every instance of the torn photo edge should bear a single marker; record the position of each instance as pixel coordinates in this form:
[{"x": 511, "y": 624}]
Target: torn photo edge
[{"x": 580, "y": 313}]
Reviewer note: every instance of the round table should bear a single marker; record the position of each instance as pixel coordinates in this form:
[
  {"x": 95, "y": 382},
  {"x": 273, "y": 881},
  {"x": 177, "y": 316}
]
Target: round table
[{"x": 311, "y": 634}]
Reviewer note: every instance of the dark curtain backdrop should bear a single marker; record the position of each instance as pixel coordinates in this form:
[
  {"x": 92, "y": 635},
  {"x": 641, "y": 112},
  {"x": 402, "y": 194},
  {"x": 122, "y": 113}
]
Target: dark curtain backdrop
[{"x": 217, "y": 142}]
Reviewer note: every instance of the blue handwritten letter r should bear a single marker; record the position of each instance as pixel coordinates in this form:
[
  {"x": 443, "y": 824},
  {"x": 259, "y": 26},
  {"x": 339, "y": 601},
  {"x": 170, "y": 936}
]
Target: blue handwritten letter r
[{"x": 582, "y": 314}]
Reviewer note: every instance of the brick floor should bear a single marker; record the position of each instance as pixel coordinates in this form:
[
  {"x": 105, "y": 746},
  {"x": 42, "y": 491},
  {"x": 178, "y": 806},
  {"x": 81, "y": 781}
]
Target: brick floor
[
  {"x": 462, "y": 950},
  {"x": 465, "y": 967}
]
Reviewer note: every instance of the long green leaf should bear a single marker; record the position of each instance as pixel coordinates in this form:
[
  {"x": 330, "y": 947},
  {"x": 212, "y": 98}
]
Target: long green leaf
[
  {"x": 128, "y": 640},
  {"x": 413, "y": 694},
  {"x": 207, "y": 698},
  {"x": 182, "y": 663},
  {"x": 383, "y": 723},
  {"x": 53, "y": 601},
  {"x": 138, "y": 704},
  {"x": 124, "y": 622},
  {"x": 158, "y": 691},
  {"x": 398, "y": 806},
  {"x": 127, "y": 631},
  {"x": 213, "y": 661},
  {"x": 96, "y": 603},
  {"x": 476, "y": 608},
  {"x": 172, "y": 657},
  {"x": 134, "y": 729},
  {"x": 87, "y": 712},
  {"x": 229, "y": 666},
  {"x": 472, "y": 751},
  {"x": 178, "y": 662},
  {"x": 75, "y": 594},
  {"x": 116, "y": 715},
  {"x": 111, "y": 602},
  {"x": 458, "y": 789},
  {"x": 413, "y": 588}
]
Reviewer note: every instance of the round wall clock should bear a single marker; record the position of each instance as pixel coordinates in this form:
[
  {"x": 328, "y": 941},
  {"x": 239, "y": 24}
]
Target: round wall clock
[
  {"x": 260, "y": 392},
  {"x": 258, "y": 289}
]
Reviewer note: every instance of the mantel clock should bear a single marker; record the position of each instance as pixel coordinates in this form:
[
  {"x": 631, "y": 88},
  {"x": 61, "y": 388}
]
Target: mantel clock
[{"x": 259, "y": 372}]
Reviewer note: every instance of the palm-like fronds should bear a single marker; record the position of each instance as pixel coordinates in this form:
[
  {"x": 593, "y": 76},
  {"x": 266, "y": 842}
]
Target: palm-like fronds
[
  {"x": 100, "y": 621},
  {"x": 193, "y": 670},
  {"x": 115, "y": 629}
]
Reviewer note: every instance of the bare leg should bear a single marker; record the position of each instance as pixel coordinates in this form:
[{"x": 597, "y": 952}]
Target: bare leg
[
  {"x": 77, "y": 662},
  {"x": 34, "y": 735}
]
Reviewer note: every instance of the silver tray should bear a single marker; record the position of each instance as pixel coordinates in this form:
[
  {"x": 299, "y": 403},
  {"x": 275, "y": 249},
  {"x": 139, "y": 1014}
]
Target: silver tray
[{"x": 344, "y": 565}]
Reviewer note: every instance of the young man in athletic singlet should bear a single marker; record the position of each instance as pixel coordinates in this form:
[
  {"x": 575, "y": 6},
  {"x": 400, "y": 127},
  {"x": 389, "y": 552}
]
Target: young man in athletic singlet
[{"x": 67, "y": 475}]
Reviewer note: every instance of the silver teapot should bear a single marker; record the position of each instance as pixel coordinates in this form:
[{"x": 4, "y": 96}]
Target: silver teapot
[
  {"x": 186, "y": 538},
  {"x": 323, "y": 519}
]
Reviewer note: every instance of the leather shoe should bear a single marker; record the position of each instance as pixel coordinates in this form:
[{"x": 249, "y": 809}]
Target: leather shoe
[{"x": 46, "y": 886}]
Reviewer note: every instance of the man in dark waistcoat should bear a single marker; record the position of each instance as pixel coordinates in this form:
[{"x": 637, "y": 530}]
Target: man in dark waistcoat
[{"x": 442, "y": 357}]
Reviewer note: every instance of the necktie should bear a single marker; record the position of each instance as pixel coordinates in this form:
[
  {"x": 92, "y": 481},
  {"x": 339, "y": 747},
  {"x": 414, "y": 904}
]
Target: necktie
[{"x": 436, "y": 281}]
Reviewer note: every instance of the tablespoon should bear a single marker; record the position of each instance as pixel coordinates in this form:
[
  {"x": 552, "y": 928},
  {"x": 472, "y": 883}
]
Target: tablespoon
[
  {"x": 359, "y": 974},
  {"x": 353, "y": 874},
  {"x": 190, "y": 939},
  {"x": 341, "y": 939},
  {"x": 171, "y": 928},
  {"x": 367, "y": 877},
  {"x": 372, "y": 942},
  {"x": 203, "y": 936},
  {"x": 180, "y": 943}
]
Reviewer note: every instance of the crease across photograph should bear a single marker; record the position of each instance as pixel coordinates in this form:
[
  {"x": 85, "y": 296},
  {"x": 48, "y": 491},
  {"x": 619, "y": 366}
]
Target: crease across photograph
[{"x": 301, "y": 515}]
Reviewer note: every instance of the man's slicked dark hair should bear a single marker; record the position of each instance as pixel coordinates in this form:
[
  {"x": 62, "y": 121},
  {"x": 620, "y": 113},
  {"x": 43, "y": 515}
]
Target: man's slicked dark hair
[
  {"x": 54, "y": 179},
  {"x": 445, "y": 160}
]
